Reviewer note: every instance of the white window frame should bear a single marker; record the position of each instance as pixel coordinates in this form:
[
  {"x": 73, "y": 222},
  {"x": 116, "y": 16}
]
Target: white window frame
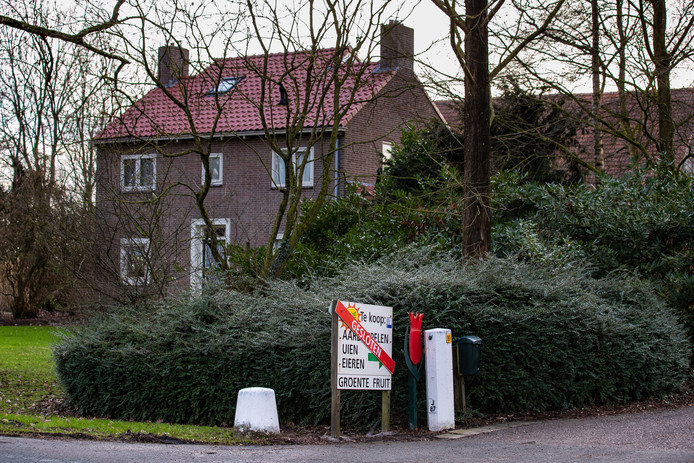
[
  {"x": 197, "y": 235},
  {"x": 141, "y": 245},
  {"x": 387, "y": 150},
  {"x": 278, "y": 162},
  {"x": 278, "y": 241},
  {"x": 219, "y": 181},
  {"x": 138, "y": 174}
]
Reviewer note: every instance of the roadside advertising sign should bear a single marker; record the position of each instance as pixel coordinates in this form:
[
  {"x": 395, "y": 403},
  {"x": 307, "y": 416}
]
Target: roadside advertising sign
[{"x": 365, "y": 346}]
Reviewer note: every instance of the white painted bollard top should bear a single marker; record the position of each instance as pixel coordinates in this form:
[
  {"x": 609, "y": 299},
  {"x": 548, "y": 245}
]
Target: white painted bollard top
[{"x": 256, "y": 410}]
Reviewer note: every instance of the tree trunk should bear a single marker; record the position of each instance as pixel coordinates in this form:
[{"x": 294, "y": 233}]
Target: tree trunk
[
  {"x": 476, "y": 215},
  {"x": 624, "y": 117},
  {"x": 21, "y": 302},
  {"x": 598, "y": 153},
  {"x": 661, "y": 60}
]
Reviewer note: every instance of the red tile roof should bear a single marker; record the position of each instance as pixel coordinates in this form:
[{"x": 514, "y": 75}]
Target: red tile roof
[
  {"x": 450, "y": 110},
  {"x": 306, "y": 77}
]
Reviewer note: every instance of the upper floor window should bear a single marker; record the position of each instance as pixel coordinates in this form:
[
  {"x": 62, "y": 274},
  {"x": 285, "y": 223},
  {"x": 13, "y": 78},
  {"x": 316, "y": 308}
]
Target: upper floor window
[
  {"x": 216, "y": 169},
  {"x": 301, "y": 158},
  {"x": 386, "y": 150},
  {"x": 138, "y": 172},
  {"x": 134, "y": 261}
]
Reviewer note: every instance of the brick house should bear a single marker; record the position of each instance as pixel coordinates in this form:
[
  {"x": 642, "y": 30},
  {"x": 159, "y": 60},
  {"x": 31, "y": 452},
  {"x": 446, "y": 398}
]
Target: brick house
[
  {"x": 150, "y": 170},
  {"x": 623, "y": 148}
]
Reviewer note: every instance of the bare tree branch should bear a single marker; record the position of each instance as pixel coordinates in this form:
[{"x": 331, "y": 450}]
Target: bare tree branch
[{"x": 78, "y": 38}]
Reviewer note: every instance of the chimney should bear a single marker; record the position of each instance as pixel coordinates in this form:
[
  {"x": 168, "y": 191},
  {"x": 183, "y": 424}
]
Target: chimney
[
  {"x": 173, "y": 64},
  {"x": 397, "y": 47}
]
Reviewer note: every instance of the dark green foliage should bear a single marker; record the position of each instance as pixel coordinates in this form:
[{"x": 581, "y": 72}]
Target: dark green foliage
[
  {"x": 551, "y": 340},
  {"x": 185, "y": 360},
  {"x": 426, "y": 160},
  {"x": 529, "y": 132},
  {"x": 353, "y": 228},
  {"x": 643, "y": 223},
  {"x": 419, "y": 195},
  {"x": 357, "y": 228},
  {"x": 245, "y": 266}
]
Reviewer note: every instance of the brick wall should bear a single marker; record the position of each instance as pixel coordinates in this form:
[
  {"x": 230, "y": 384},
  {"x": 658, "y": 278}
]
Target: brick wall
[
  {"x": 403, "y": 101},
  {"x": 246, "y": 197}
]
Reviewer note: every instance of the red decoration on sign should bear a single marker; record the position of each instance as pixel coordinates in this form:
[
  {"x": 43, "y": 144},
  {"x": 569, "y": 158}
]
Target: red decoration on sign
[
  {"x": 371, "y": 344},
  {"x": 415, "y": 341}
]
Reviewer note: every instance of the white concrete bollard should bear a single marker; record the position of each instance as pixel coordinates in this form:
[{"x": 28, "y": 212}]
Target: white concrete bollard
[
  {"x": 439, "y": 372},
  {"x": 256, "y": 410}
]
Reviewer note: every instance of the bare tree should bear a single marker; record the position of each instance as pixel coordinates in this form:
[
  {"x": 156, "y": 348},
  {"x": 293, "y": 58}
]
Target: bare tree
[
  {"x": 45, "y": 88},
  {"x": 319, "y": 97},
  {"x": 598, "y": 153},
  {"x": 18, "y": 16},
  {"x": 316, "y": 102},
  {"x": 318, "y": 87},
  {"x": 469, "y": 39},
  {"x": 665, "y": 50},
  {"x": 637, "y": 54}
]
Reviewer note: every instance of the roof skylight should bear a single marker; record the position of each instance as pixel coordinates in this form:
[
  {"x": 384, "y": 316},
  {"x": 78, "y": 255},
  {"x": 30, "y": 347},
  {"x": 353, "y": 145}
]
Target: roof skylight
[{"x": 225, "y": 85}]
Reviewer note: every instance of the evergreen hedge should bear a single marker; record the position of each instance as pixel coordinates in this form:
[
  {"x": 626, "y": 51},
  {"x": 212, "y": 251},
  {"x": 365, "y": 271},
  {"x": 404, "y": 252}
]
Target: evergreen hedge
[
  {"x": 552, "y": 339},
  {"x": 642, "y": 223}
]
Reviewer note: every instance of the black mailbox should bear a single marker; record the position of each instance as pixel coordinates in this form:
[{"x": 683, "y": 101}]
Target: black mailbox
[{"x": 468, "y": 350}]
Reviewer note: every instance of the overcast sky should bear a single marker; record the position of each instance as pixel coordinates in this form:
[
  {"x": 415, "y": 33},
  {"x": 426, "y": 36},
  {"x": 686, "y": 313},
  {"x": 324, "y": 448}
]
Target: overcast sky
[{"x": 431, "y": 35}]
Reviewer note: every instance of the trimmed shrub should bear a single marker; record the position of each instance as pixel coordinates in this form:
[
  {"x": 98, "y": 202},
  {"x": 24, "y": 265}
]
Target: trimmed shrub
[
  {"x": 184, "y": 361},
  {"x": 551, "y": 340}
]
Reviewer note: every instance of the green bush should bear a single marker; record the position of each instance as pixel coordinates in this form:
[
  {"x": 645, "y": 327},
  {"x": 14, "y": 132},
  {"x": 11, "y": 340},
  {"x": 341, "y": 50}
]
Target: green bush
[
  {"x": 642, "y": 222},
  {"x": 356, "y": 228},
  {"x": 551, "y": 340},
  {"x": 183, "y": 361},
  {"x": 427, "y": 159}
]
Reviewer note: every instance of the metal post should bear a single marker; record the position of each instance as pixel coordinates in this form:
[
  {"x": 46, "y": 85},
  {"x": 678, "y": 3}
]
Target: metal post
[
  {"x": 385, "y": 411},
  {"x": 334, "y": 391},
  {"x": 412, "y": 400}
]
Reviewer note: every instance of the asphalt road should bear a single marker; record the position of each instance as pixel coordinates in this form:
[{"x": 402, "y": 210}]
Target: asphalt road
[{"x": 661, "y": 436}]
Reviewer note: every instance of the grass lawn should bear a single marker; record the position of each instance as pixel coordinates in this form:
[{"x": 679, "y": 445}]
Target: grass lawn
[
  {"x": 27, "y": 379},
  {"x": 26, "y": 367}
]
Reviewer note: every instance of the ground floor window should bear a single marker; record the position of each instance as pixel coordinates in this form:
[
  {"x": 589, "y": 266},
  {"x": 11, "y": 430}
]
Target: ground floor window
[
  {"x": 202, "y": 260},
  {"x": 134, "y": 261}
]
